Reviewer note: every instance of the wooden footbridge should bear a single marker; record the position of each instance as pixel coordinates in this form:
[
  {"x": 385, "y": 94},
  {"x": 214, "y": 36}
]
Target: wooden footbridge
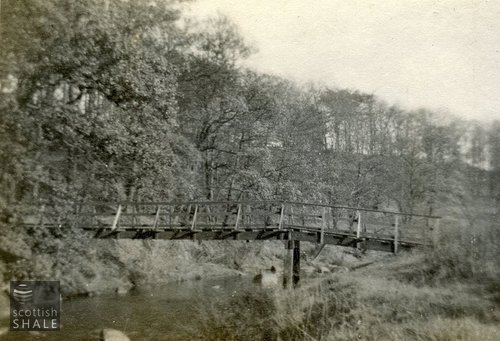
[{"x": 291, "y": 222}]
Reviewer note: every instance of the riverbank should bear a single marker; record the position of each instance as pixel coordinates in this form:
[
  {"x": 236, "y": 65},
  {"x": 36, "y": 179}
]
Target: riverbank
[
  {"x": 88, "y": 267},
  {"x": 380, "y": 301},
  {"x": 170, "y": 309},
  {"x": 344, "y": 295}
]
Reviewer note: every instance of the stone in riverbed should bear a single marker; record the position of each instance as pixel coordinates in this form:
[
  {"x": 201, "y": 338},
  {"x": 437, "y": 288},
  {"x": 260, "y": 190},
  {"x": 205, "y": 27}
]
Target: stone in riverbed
[
  {"x": 121, "y": 291},
  {"x": 108, "y": 334},
  {"x": 323, "y": 269},
  {"x": 267, "y": 279}
]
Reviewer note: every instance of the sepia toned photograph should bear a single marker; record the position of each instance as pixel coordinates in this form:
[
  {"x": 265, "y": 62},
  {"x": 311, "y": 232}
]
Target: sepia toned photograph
[{"x": 272, "y": 170}]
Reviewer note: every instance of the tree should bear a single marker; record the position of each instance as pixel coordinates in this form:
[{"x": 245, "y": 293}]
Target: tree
[
  {"x": 494, "y": 151},
  {"x": 99, "y": 97},
  {"x": 210, "y": 95}
]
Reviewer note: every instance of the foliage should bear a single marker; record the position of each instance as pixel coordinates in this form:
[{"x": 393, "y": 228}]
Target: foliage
[
  {"x": 242, "y": 317},
  {"x": 117, "y": 100},
  {"x": 349, "y": 307}
]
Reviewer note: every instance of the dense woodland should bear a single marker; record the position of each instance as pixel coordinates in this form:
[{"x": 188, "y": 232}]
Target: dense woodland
[{"x": 132, "y": 101}]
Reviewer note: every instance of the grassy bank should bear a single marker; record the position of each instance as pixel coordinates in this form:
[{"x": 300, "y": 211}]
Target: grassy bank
[{"x": 425, "y": 295}]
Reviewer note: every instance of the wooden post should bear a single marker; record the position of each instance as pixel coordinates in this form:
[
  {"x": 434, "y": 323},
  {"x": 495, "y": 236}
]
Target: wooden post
[
  {"x": 250, "y": 220},
  {"x": 193, "y": 224},
  {"x": 288, "y": 265},
  {"x": 77, "y": 216},
  {"x": 171, "y": 213},
  {"x": 134, "y": 216},
  {"x": 209, "y": 215},
  {"x": 117, "y": 217},
  {"x": 280, "y": 225},
  {"x": 93, "y": 219},
  {"x": 358, "y": 230},
  {"x": 42, "y": 213},
  {"x": 236, "y": 224},
  {"x": 334, "y": 218},
  {"x": 396, "y": 232},
  {"x": 324, "y": 222},
  {"x": 188, "y": 212},
  {"x": 296, "y": 263},
  {"x": 157, "y": 218}
]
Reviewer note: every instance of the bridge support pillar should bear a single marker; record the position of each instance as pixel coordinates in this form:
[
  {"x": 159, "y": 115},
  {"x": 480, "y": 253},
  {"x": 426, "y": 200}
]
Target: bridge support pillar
[
  {"x": 296, "y": 263},
  {"x": 291, "y": 265}
]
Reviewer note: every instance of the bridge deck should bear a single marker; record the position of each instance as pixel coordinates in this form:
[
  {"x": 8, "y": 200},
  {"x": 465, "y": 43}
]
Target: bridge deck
[{"x": 264, "y": 220}]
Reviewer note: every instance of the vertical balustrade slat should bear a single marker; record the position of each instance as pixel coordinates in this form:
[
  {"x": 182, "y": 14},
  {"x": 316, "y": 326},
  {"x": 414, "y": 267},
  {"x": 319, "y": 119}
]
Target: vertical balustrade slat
[
  {"x": 209, "y": 215},
  {"x": 358, "y": 230},
  {"x": 282, "y": 213},
  {"x": 396, "y": 232},
  {"x": 332, "y": 214},
  {"x": 117, "y": 218},
  {"x": 324, "y": 222},
  {"x": 77, "y": 216},
  {"x": 93, "y": 219},
  {"x": 42, "y": 214},
  {"x": 188, "y": 212},
  {"x": 134, "y": 216},
  {"x": 170, "y": 213},
  {"x": 238, "y": 215},
  {"x": 157, "y": 218},
  {"x": 193, "y": 224}
]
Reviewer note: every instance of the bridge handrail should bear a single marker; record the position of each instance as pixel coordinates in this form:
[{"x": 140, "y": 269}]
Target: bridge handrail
[{"x": 246, "y": 202}]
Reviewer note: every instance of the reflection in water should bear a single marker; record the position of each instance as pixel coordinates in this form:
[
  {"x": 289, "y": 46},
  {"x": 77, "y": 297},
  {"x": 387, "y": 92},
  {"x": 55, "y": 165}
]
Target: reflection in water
[{"x": 150, "y": 313}]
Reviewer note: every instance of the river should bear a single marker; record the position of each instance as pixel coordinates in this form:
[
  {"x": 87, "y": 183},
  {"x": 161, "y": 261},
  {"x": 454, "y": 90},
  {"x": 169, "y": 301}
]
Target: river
[{"x": 162, "y": 312}]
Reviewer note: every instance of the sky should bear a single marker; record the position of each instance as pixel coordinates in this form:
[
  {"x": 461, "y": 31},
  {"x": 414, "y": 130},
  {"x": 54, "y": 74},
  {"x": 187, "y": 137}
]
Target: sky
[{"x": 441, "y": 55}]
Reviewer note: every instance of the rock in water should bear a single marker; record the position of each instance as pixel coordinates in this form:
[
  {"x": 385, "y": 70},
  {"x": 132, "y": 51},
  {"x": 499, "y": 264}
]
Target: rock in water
[
  {"x": 108, "y": 334},
  {"x": 257, "y": 278},
  {"x": 322, "y": 269},
  {"x": 121, "y": 291},
  {"x": 267, "y": 279}
]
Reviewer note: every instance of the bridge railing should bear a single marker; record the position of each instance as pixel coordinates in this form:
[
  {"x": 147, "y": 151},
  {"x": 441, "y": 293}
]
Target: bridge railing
[
  {"x": 242, "y": 215},
  {"x": 164, "y": 215},
  {"x": 364, "y": 223}
]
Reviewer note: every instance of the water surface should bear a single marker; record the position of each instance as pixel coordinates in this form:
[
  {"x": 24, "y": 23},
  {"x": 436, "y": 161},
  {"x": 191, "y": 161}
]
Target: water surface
[{"x": 163, "y": 312}]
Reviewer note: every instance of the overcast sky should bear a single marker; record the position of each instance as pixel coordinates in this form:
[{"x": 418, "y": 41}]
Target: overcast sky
[{"x": 418, "y": 53}]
